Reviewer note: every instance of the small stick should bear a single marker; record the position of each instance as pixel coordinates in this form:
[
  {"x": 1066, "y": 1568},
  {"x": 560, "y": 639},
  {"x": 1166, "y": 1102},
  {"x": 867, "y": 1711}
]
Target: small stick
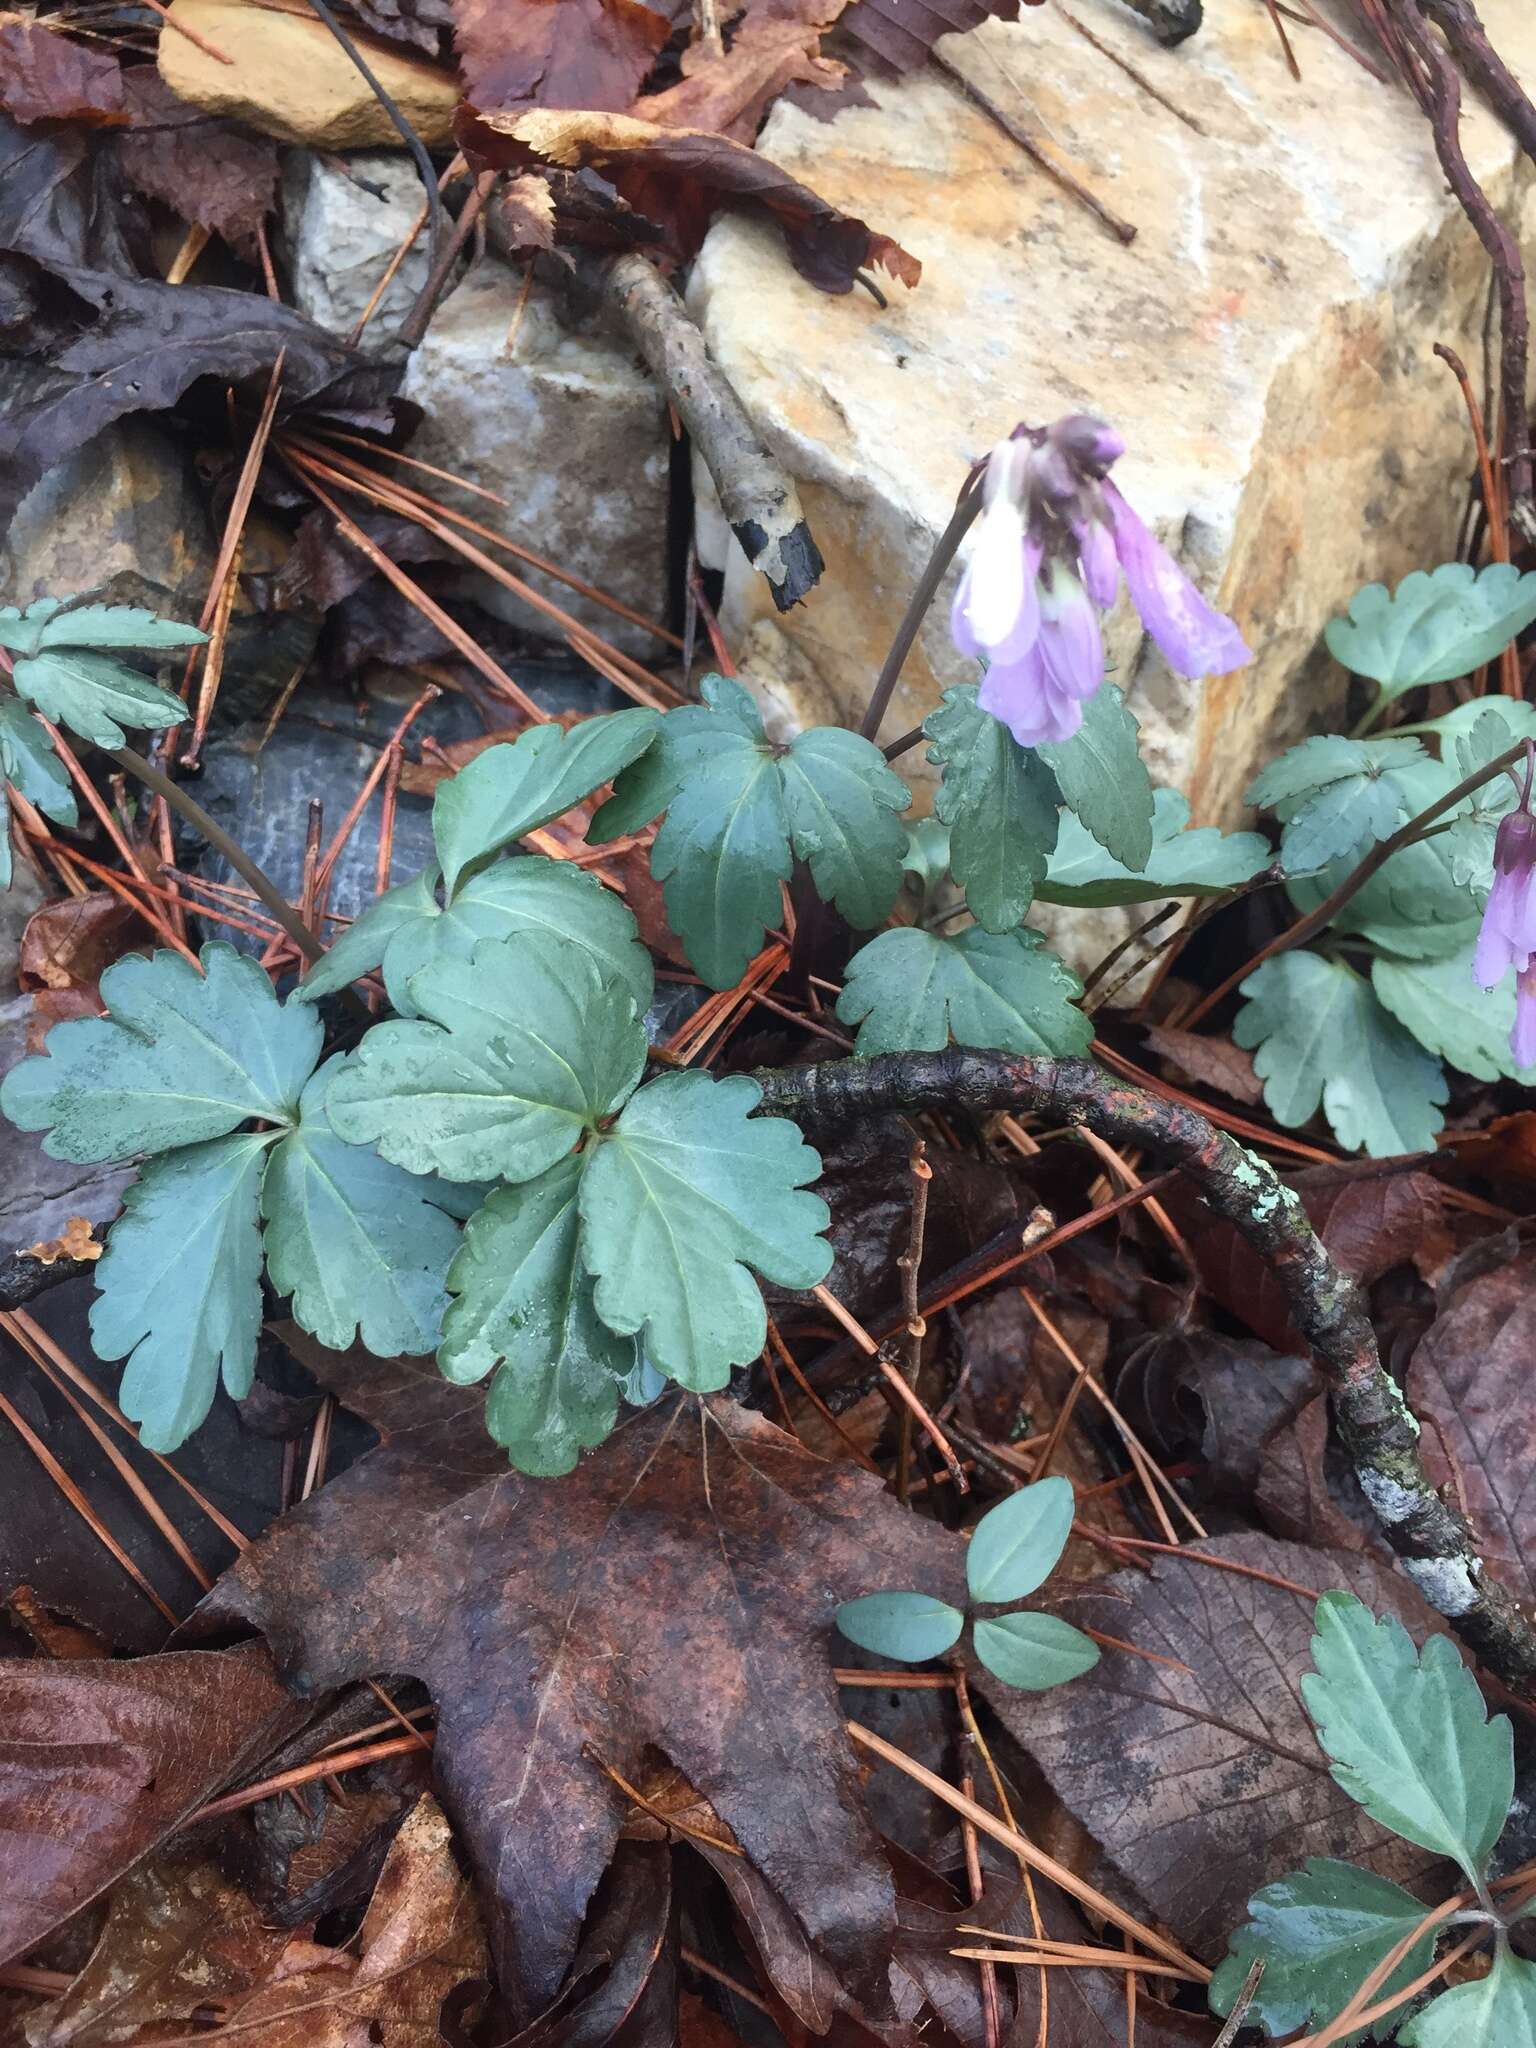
[
  {"x": 907, "y": 1266},
  {"x": 1136, "y": 77},
  {"x": 973, "y": 1879}
]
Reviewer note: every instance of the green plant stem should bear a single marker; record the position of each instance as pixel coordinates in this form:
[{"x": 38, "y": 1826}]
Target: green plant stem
[
  {"x": 162, "y": 785},
  {"x": 944, "y": 551},
  {"x": 1317, "y": 920},
  {"x": 1430, "y": 1535}
]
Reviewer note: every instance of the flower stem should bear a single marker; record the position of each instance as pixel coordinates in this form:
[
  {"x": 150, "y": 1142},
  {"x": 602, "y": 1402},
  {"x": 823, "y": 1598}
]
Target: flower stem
[
  {"x": 178, "y": 799},
  {"x": 928, "y": 583},
  {"x": 1315, "y": 921}
]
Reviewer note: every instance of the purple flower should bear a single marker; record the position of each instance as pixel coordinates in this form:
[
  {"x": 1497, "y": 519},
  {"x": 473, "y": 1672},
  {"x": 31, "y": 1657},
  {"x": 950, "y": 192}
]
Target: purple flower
[
  {"x": 1054, "y": 537},
  {"x": 1522, "y": 1040},
  {"x": 1507, "y": 937}
]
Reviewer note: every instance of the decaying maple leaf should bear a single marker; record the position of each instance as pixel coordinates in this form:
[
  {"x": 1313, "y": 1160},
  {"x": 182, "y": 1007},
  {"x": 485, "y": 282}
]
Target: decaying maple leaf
[
  {"x": 730, "y": 92},
  {"x": 899, "y": 35},
  {"x": 676, "y": 1591},
  {"x": 681, "y": 177}
]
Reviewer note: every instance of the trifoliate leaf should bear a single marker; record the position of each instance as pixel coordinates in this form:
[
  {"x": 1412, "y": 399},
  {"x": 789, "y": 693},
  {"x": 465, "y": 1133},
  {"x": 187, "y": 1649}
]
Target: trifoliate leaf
[
  {"x": 1202, "y": 862},
  {"x": 911, "y": 991},
  {"x": 1498, "y": 2011},
  {"x": 408, "y": 929},
  {"x": 1033, "y": 1652},
  {"x": 1409, "y": 1732},
  {"x": 1323, "y": 1038},
  {"x": 523, "y": 1305},
  {"x": 357, "y": 1242},
  {"x": 1489, "y": 735},
  {"x": 1103, "y": 779},
  {"x": 95, "y": 695},
  {"x": 28, "y": 762},
  {"x": 179, "y": 1057},
  {"x": 1335, "y": 795},
  {"x": 686, "y": 1191},
  {"x": 1016, "y": 1545},
  {"x": 180, "y": 1285},
  {"x": 1448, "y": 1013},
  {"x": 736, "y": 804},
  {"x": 1458, "y": 722},
  {"x": 1000, "y": 802},
  {"x": 520, "y": 1049},
  {"x": 1321, "y": 1932},
  {"x": 1432, "y": 627},
  {"x": 512, "y": 789},
  {"x": 911, "y": 1627},
  {"x": 46, "y": 623}
]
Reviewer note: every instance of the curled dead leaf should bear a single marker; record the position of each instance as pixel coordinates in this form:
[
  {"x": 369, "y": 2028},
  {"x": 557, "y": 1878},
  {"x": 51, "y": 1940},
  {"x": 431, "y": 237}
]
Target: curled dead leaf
[
  {"x": 681, "y": 177},
  {"x": 78, "y": 1241}
]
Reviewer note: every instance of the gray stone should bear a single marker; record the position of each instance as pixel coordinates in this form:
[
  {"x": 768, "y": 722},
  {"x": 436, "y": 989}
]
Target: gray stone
[
  {"x": 343, "y": 220},
  {"x": 565, "y": 425}
]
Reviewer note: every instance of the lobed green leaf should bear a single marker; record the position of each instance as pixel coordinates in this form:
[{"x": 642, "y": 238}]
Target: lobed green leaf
[
  {"x": 1182, "y": 862},
  {"x": 95, "y": 695},
  {"x": 1434, "y": 626},
  {"x": 1103, "y": 779},
  {"x": 1000, "y": 802},
  {"x": 909, "y": 990}
]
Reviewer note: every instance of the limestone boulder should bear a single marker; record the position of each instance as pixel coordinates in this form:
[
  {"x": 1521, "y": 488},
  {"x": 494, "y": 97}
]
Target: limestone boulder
[
  {"x": 1264, "y": 345},
  {"x": 343, "y": 220},
  {"x": 567, "y": 425}
]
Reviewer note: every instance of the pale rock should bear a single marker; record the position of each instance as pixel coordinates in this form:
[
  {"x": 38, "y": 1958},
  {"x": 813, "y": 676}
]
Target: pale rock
[
  {"x": 128, "y": 501},
  {"x": 568, "y": 427},
  {"x": 287, "y": 76},
  {"x": 343, "y": 220},
  {"x": 1264, "y": 346}
]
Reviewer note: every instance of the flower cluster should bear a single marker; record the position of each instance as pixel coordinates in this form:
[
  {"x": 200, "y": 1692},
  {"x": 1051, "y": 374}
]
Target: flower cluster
[
  {"x": 1507, "y": 937},
  {"x": 1055, "y": 536}
]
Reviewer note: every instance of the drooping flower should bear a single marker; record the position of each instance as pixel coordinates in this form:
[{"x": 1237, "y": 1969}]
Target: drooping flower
[
  {"x": 1054, "y": 537},
  {"x": 1507, "y": 936}
]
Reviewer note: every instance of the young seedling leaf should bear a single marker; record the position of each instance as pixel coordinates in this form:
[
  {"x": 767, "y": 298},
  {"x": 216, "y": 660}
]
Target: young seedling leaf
[
  {"x": 1448, "y": 1013},
  {"x": 1182, "y": 862},
  {"x": 1409, "y": 1733},
  {"x": 1320, "y": 1036},
  {"x": 927, "y": 854},
  {"x": 737, "y": 805},
  {"x": 1000, "y": 802},
  {"x": 513, "y": 789},
  {"x": 911, "y": 1627},
  {"x": 1033, "y": 1652},
  {"x": 1498, "y": 2011},
  {"x": 685, "y": 1192},
  {"x": 180, "y": 1285},
  {"x": 1017, "y": 1544},
  {"x": 523, "y": 1307},
  {"x": 357, "y": 1242},
  {"x": 1103, "y": 779},
  {"x": 95, "y": 695},
  {"x": 909, "y": 990},
  {"x": 518, "y": 1051},
  {"x": 29, "y": 764},
  {"x": 1320, "y": 1932},
  {"x": 1434, "y": 626},
  {"x": 179, "y": 1057}
]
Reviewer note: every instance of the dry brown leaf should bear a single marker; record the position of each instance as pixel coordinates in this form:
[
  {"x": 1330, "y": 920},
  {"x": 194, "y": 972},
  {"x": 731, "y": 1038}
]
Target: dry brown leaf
[
  {"x": 45, "y": 77},
  {"x": 1208, "y": 1062},
  {"x": 681, "y": 177},
  {"x": 556, "y": 53},
  {"x": 730, "y": 93},
  {"x": 77, "y": 1242},
  {"x": 525, "y": 208}
]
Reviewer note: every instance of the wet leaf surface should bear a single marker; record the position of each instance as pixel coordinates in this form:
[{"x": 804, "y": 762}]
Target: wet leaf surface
[
  {"x": 1201, "y": 1787},
  {"x": 46, "y": 77},
  {"x": 681, "y": 1596},
  {"x": 101, "y": 1761}
]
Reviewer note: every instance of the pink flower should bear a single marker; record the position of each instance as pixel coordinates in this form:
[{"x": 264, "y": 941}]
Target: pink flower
[{"x": 1054, "y": 538}]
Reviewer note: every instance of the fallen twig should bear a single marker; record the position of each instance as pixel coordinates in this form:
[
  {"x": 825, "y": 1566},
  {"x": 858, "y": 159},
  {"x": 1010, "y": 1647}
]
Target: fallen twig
[{"x": 757, "y": 494}]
